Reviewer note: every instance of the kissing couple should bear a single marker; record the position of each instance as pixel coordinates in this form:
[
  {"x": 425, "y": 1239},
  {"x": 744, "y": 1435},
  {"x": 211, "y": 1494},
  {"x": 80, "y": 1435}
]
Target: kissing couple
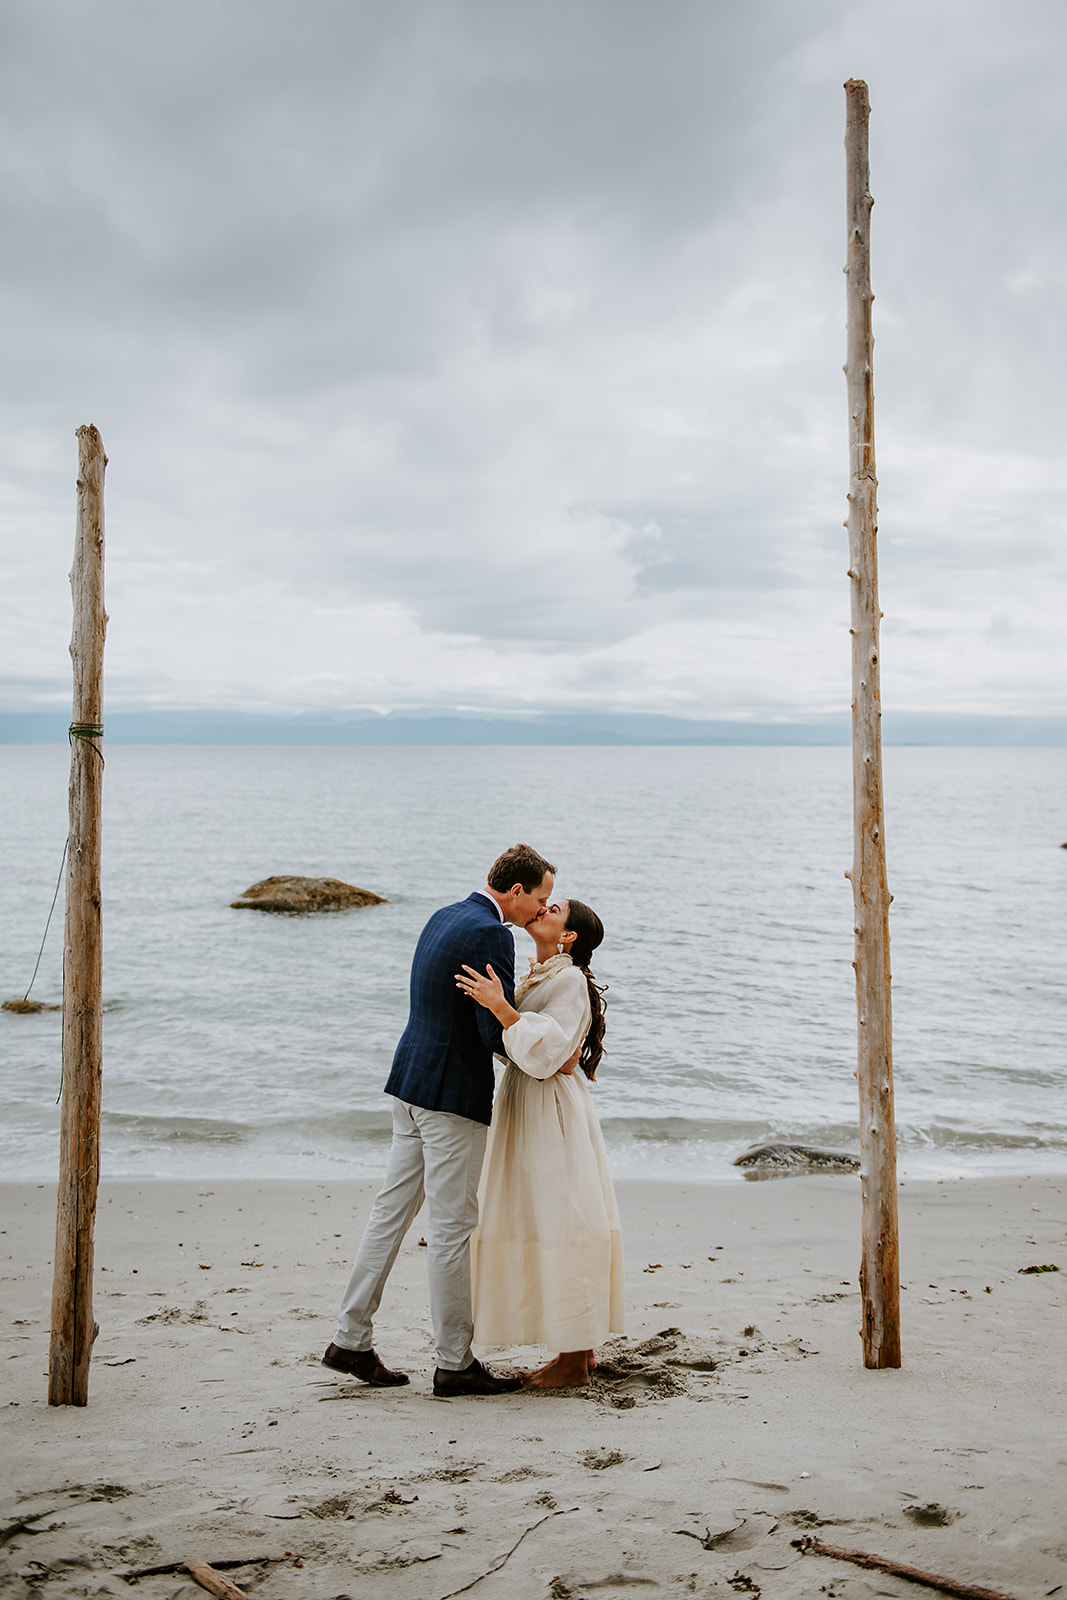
[{"x": 545, "y": 1264}]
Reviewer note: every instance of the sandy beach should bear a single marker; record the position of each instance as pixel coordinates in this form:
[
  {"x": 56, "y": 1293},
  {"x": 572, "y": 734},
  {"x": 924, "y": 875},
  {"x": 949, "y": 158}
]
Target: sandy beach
[{"x": 734, "y": 1418}]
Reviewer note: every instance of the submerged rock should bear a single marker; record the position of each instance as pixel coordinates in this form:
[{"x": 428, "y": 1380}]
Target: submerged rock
[
  {"x": 796, "y": 1156},
  {"x": 287, "y": 893}
]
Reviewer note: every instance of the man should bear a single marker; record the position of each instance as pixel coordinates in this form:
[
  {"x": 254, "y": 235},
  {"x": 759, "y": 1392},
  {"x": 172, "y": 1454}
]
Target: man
[{"x": 442, "y": 1081}]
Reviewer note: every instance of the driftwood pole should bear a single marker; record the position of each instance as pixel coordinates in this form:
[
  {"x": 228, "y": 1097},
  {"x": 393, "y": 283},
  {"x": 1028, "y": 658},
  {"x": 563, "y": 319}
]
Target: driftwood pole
[
  {"x": 880, "y": 1267},
  {"x": 73, "y": 1328}
]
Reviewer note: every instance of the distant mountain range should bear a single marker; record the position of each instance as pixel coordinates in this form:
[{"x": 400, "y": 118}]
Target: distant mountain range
[{"x": 545, "y": 728}]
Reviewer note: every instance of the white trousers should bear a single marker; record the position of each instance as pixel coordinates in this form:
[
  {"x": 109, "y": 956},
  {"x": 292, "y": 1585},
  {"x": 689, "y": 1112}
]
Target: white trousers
[{"x": 440, "y": 1155}]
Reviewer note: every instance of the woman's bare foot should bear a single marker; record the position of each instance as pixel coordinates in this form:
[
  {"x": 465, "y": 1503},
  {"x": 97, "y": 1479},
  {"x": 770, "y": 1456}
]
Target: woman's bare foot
[{"x": 569, "y": 1370}]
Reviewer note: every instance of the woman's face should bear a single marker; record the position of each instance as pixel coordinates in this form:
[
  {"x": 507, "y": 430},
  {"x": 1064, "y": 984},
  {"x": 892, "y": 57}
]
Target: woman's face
[{"x": 552, "y": 923}]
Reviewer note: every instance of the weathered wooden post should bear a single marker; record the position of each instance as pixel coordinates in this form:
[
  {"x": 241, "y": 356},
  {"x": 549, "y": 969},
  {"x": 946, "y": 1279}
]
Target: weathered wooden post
[
  {"x": 880, "y": 1267},
  {"x": 73, "y": 1328}
]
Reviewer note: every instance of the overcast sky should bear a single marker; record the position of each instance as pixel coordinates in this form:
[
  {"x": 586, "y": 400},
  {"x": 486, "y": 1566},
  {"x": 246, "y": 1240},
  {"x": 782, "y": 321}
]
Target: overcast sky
[{"x": 485, "y": 354}]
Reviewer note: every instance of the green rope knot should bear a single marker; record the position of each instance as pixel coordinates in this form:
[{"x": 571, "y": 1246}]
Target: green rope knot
[{"x": 89, "y": 732}]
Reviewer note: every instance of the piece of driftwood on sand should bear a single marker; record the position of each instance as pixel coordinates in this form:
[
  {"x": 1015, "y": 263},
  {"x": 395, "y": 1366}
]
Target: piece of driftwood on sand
[
  {"x": 287, "y": 892},
  {"x": 880, "y": 1266},
  {"x": 899, "y": 1569},
  {"x": 73, "y": 1327},
  {"x": 214, "y": 1582}
]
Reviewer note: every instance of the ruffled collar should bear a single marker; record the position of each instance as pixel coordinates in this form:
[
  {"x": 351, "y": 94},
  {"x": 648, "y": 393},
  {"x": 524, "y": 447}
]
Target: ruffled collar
[{"x": 539, "y": 971}]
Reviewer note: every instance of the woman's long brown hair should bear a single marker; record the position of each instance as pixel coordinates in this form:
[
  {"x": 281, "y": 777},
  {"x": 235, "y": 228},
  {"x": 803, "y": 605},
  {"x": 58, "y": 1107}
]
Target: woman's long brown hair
[{"x": 583, "y": 921}]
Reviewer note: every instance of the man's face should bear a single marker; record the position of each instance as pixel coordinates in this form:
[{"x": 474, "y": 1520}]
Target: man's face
[{"x": 523, "y": 906}]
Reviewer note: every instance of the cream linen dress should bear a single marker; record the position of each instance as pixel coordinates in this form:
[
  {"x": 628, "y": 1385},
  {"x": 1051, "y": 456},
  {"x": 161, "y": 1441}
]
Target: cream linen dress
[{"x": 546, "y": 1258}]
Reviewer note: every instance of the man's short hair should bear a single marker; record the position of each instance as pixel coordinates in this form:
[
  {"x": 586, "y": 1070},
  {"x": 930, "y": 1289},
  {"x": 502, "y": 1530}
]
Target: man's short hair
[{"x": 521, "y": 864}]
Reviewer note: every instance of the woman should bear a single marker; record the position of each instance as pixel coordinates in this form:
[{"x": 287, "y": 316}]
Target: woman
[{"x": 546, "y": 1259}]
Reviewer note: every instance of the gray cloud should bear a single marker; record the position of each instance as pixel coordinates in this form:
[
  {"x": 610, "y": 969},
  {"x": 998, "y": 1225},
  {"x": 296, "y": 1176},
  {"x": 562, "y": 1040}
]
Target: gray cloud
[{"x": 490, "y": 355}]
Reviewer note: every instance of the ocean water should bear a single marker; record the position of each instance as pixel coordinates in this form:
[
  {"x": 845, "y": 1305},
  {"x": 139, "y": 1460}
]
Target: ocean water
[{"x": 239, "y": 1043}]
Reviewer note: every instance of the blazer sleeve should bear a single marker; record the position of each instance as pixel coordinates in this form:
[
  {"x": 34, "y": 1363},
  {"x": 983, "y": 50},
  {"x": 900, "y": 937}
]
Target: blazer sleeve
[
  {"x": 541, "y": 1041},
  {"x": 498, "y": 951}
]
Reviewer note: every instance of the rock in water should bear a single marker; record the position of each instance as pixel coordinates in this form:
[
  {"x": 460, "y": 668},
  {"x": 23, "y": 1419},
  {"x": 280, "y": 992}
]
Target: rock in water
[
  {"x": 795, "y": 1155},
  {"x": 287, "y": 893}
]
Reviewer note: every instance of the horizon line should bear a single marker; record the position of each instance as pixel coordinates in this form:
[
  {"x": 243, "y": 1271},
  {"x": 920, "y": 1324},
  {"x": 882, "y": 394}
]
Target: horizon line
[{"x": 452, "y": 727}]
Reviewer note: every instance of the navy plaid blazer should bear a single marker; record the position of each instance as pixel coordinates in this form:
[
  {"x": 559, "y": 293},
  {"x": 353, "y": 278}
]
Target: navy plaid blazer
[{"x": 444, "y": 1061}]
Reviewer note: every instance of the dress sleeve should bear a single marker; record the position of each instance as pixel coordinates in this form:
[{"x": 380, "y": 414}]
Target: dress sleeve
[{"x": 541, "y": 1041}]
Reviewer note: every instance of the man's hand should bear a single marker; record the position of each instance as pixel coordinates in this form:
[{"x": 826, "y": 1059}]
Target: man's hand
[{"x": 567, "y": 1069}]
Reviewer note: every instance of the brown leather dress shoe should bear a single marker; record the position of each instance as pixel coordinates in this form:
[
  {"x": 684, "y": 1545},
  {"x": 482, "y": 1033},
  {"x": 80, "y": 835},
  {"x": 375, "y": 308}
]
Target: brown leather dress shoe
[
  {"x": 474, "y": 1379},
  {"x": 362, "y": 1364}
]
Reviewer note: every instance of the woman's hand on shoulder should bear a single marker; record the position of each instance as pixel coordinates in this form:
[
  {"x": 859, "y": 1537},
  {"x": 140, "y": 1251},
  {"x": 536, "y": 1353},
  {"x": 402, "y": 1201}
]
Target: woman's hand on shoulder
[
  {"x": 488, "y": 991},
  {"x": 485, "y": 987}
]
